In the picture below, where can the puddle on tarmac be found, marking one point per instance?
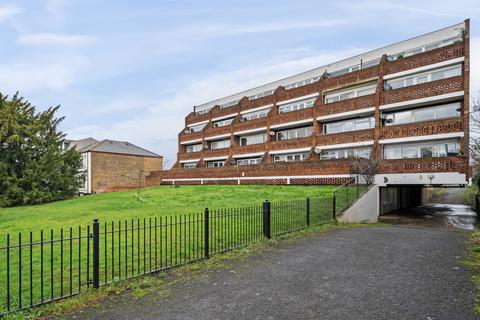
(456, 216)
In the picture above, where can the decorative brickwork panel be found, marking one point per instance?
(253, 148)
(211, 131)
(423, 90)
(291, 144)
(264, 182)
(319, 181)
(246, 104)
(189, 136)
(345, 137)
(250, 124)
(346, 105)
(291, 116)
(193, 118)
(422, 128)
(446, 164)
(219, 112)
(350, 78)
(297, 92)
(225, 182)
(422, 59)
(187, 182)
(216, 153)
(189, 156)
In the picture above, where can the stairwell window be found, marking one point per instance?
(296, 105)
(349, 125)
(292, 157)
(294, 133)
(422, 150)
(424, 77)
(193, 148)
(220, 144)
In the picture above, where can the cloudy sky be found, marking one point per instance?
(132, 70)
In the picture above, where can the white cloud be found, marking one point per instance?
(8, 11)
(54, 39)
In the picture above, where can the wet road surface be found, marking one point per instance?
(398, 272)
(453, 216)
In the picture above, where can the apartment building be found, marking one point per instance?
(405, 105)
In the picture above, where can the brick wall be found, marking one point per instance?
(112, 172)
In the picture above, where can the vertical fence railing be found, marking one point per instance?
(346, 194)
(63, 264)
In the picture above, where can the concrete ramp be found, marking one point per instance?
(364, 210)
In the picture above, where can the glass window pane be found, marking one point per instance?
(426, 151)
(409, 152)
(423, 114)
(403, 117)
(392, 153)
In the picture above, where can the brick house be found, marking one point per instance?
(110, 165)
(405, 103)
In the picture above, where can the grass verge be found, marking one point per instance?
(473, 261)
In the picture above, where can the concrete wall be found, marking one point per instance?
(110, 172)
(365, 209)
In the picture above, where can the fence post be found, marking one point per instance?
(358, 178)
(334, 209)
(308, 211)
(206, 235)
(266, 219)
(96, 254)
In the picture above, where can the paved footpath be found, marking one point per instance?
(356, 273)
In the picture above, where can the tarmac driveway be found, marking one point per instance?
(400, 272)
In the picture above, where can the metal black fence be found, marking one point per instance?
(49, 266)
(345, 195)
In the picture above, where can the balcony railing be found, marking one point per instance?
(193, 117)
(220, 112)
(246, 104)
(189, 136)
(426, 58)
(302, 114)
(291, 144)
(345, 137)
(189, 156)
(423, 90)
(424, 165)
(249, 124)
(350, 78)
(212, 131)
(216, 153)
(346, 105)
(253, 148)
(297, 92)
(422, 128)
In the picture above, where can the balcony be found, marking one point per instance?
(249, 124)
(189, 156)
(291, 144)
(346, 105)
(278, 118)
(423, 90)
(182, 136)
(424, 165)
(194, 118)
(253, 148)
(211, 131)
(350, 78)
(246, 104)
(345, 137)
(422, 128)
(216, 153)
(284, 94)
(422, 59)
(217, 112)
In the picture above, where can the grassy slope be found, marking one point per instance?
(158, 201)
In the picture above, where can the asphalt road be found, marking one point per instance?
(358, 273)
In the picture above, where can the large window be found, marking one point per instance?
(291, 157)
(346, 153)
(194, 148)
(190, 165)
(422, 150)
(248, 161)
(220, 144)
(349, 125)
(215, 164)
(424, 77)
(423, 114)
(296, 105)
(223, 123)
(350, 93)
(294, 133)
(255, 115)
(302, 83)
(253, 139)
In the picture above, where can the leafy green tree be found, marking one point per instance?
(33, 167)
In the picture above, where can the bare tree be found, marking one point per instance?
(475, 130)
(367, 168)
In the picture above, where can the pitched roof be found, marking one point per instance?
(110, 146)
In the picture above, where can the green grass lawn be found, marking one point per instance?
(158, 201)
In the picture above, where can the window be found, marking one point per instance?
(215, 164)
(294, 133)
(199, 112)
(84, 161)
(189, 165)
(220, 144)
(250, 161)
(194, 148)
(425, 48)
(423, 114)
(296, 105)
(349, 125)
(345, 153)
(197, 128)
(229, 104)
(291, 157)
(424, 77)
(422, 150)
(261, 95)
(255, 115)
(253, 139)
(223, 123)
(350, 93)
(301, 83)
